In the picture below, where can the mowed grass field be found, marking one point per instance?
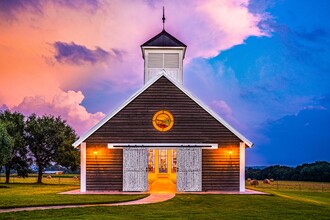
(279, 204)
(303, 186)
(62, 179)
(23, 192)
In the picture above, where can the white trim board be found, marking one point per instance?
(146, 86)
(83, 167)
(161, 145)
(242, 167)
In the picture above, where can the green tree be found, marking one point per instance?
(6, 145)
(67, 155)
(19, 161)
(253, 173)
(48, 139)
(278, 172)
(318, 171)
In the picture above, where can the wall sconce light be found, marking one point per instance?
(230, 152)
(95, 153)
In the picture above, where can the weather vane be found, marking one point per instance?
(163, 18)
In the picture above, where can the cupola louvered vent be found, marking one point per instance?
(163, 60)
(155, 60)
(171, 60)
(163, 54)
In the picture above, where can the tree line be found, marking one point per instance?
(318, 171)
(40, 140)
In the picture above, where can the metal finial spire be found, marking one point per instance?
(163, 18)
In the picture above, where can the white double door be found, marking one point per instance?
(135, 169)
(189, 169)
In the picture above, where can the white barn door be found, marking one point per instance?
(189, 169)
(135, 173)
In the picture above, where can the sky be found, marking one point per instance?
(262, 65)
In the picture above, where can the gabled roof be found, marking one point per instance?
(145, 87)
(163, 39)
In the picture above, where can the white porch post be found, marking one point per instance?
(83, 167)
(242, 167)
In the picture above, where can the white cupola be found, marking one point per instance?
(163, 53)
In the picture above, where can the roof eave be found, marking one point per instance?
(162, 47)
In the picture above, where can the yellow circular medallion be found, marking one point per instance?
(163, 120)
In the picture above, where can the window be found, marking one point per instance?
(151, 161)
(162, 159)
(173, 161)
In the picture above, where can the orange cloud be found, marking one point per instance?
(28, 64)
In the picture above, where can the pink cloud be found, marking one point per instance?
(225, 111)
(64, 104)
(212, 26)
(33, 80)
(223, 108)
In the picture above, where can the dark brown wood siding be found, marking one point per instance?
(104, 169)
(220, 169)
(192, 124)
(133, 124)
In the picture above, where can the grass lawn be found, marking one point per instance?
(281, 204)
(25, 194)
(194, 207)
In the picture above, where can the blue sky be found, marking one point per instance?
(263, 65)
(282, 83)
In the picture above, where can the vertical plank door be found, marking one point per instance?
(189, 169)
(135, 172)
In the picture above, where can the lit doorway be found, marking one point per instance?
(162, 164)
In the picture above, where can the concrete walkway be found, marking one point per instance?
(152, 198)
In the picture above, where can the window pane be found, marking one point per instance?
(173, 161)
(151, 161)
(162, 161)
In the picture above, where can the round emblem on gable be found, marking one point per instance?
(163, 120)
